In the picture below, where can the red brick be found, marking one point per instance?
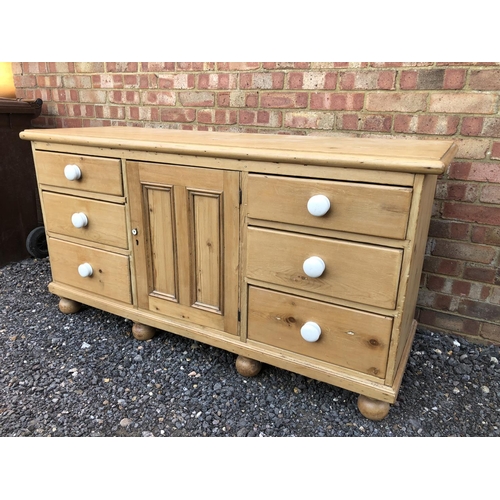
(309, 120)
(473, 149)
(284, 100)
(472, 213)
(157, 66)
(124, 97)
(197, 98)
(178, 115)
(83, 110)
(495, 151)
(474, 291)
(491, 332)
(162, 98)
(17, 68)
(146, 81)
(217, 116)
(77, 82)
(70, 122)
(218, 81)
(396, 101)
(486, 235)
(107, 81)
(94, 122)
(260, 117)
(238, 66)
(61, 67)
(434, 300)
(478, 126)
(286, 65)
(443, 266)
(454, 79)
(464, 251)
(110, 112)
(89, 67)
(491, 127)
(474, 272)
(21, 81)
(462, 102)
(485, 79)
(482, 172)
(49, 94)
(49, 81)
(368, 80)
(195, 66)
(495, 295)
(457, 191)
(337, 102)
(122, 67)
(490, 194)
(93, 96)
(449, 322)
(312, 80)
(238, 99)
(438, 284)
(371, 123)
(423, 79)
(461, 288)
(131, 81)
(145, 113)
(65, 95)
(426, 124)
(57, 109)
(408, 80)
(472, 125)
(176, 81)
(268, 81)
(449, 230)
(34, 67)
(480, 310)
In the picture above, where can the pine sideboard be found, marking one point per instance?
(302, 252)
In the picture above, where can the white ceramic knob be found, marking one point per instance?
(72, 172)
(310, 331)
(79, 219)
(318, 205)
(85, 270)
(314, 267)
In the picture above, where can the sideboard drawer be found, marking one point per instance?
(367, 274)
(105, 221)
(110, 272)
(370, 209)
(348, 338)
(99, 175)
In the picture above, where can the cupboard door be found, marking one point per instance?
(186, 246)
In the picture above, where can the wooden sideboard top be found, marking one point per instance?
(394, 154)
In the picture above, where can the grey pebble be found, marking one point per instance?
(82, 375)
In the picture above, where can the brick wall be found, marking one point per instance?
(460, 290)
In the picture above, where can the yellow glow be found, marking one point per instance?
(7, 88)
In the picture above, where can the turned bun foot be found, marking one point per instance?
(143, 332)
(373, 409)
(248, 367)
(68, 306)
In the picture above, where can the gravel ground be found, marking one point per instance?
(86, 375)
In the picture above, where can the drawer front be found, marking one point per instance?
(110, 276)
(105, 221)
(354, 207)
(362, 273)
(99, 175)
(348, 338)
